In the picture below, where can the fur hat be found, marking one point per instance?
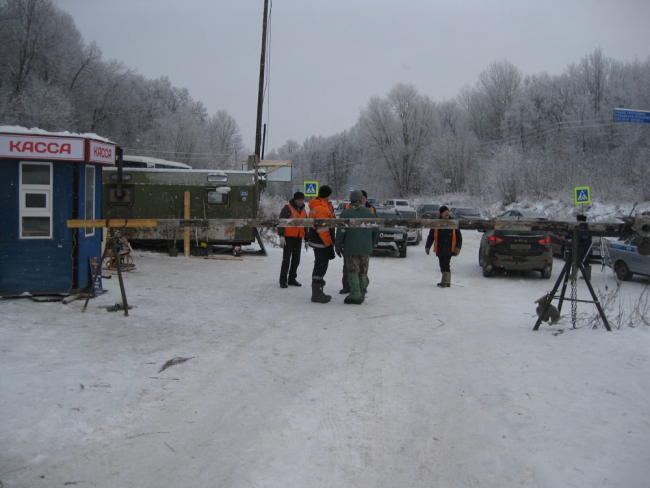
(299, 195)
(356, 196)
(443, 208)
(324, 191)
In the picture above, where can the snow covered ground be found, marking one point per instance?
(418, 387)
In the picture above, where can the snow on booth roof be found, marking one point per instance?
(21, 143)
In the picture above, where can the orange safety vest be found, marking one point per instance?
(295, 231)
(435, 240)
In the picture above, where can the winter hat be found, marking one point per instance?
(365, 193)
(324, 191)
(443, 209)
(356, 196)
(581, 218)
(299, 195)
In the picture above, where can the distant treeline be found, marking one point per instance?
(506, 137)
(52, 80)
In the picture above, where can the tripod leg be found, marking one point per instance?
(567, 271)
(119, 274)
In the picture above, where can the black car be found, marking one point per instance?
(429, 208)
(561, 244)
(515, 250)
(523, 215)
(391, 239)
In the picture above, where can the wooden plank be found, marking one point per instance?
(598, 228)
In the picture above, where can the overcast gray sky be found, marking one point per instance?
(329, 57)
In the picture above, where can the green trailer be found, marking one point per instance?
(148, 193)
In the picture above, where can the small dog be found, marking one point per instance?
(551, 314)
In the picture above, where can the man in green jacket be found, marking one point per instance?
(356, 244)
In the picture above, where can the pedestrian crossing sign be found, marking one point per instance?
(582, 195)
(310, 188)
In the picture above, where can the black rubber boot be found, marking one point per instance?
(317, 295)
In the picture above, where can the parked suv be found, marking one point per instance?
(397, 203)
(391, 239)
(515, 250)
(414, 234)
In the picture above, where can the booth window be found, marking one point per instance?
(90, 198)
(35, 200)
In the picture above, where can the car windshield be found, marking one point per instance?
(402, 203)
(429, 207)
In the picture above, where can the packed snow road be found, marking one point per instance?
(419, 386)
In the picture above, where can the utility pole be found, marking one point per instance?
(260, 103)
(260, 93)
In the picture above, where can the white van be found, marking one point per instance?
(397, 203)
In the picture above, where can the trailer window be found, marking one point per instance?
(217, 198)
(125, 199)
(218, 178)
(35, 200)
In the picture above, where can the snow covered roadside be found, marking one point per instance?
(419, 386)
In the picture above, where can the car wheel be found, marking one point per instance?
(481, 263)
(622, 271)
(487, 271)
(546, 273)
(402, 253)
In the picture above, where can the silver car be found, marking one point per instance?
(415, 235)
(624, 258)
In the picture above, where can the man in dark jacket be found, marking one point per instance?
(356, 244)
(291, 240)
(446, 243)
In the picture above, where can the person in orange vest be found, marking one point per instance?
(446, 243)
(291, 240)
(321, 240)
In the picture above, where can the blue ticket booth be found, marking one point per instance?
(47, 179)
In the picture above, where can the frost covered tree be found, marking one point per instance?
(398, 130)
